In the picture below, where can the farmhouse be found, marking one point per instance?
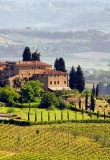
(33, 70)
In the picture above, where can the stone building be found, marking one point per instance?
(34, 70)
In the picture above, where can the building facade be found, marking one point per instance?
(34, 70)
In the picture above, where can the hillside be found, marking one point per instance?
(61, 142)
(54, 44)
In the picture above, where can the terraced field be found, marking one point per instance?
(55, 142)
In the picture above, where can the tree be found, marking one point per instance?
(97, 90)
(36, 56)
(9, 95)
(62, 65)
(59, 65)
(56, 64)
(92, 103)
(93, 91)
(80, 80)
(86, 101)
(27, 93)
(37, 86)
(48, 100)
(31, 90)
(27, 54)
(72, 78)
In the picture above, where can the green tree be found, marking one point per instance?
(62, 65)
(9, 95)
(80, 80)
(37, 86)
(49, 99)
(36, 56)
(27, 54)
(93, 91)
(31, 90)
(79, 102)
(92, 103)
(72, 78)
(86, 101)
(59, 65)
(97, 90)
(27, 93)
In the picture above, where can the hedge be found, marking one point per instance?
(27, 123)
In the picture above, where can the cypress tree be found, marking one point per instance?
(97, 90)
(56, 64)
(72, 78)
(80, 80)
(93, 91)
(35, 116)
(86, 101)
(28, 116)
(55, 116)
(79, 103)
(59, 65)
(92, 103)
(62, 65)
(48, 116)
(36, 56)
(27, 54)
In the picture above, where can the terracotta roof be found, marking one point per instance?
(1, 68)
(31, 63)
(50, 72)
(3, 63)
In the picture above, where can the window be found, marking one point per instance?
(64, 75)
(54, 82)
(37, 76)
(57, 82)
(64, 82)
(50, 82)
(32, 67)
(54, 75)
(29, 74)
(42, 75)
(58, 75)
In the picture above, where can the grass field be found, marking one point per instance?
(23, 113)
(55, 142)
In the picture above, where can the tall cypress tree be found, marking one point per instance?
(62, 65)
(59, 65)
(92, 103)
(72, 78)
(86, 101)
(93, 91)
(97, 90)
(27, 54)
(80, 80)
(56, 64)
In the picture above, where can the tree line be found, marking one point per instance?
(28, 56)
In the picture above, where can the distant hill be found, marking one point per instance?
(55, 15)
(13, 42)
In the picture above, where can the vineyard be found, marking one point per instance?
(67, 141)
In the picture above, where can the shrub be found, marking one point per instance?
(63, 104)
(10, 110)
(49, 99)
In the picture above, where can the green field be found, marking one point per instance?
(23, 113)
(55, 142)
